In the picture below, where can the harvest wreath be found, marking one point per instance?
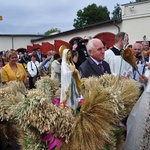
(40, 124)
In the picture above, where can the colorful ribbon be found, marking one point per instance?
(53, 142)
(81, 101)
(56, 101)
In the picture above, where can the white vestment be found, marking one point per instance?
(138, 123)
(117, 64)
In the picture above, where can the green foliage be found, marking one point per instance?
(53, 30)
(117, 12)
(90, 15)
(141, 0)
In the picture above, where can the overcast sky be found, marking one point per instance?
(39, 16)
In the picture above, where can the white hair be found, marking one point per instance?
(91, 43)
(141, 46)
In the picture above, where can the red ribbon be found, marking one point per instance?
(81, 101)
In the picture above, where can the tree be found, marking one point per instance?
(117, 12)
(90, 15)
(141, 0)
(53, 30)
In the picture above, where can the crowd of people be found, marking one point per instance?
(27, 67)
(86, 58)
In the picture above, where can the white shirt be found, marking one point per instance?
(32, 68)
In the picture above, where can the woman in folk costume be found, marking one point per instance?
(138, 123)
(70, 82)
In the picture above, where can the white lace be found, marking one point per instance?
(138, 124)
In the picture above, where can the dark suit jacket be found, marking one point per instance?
(38, 59)
(89, 68)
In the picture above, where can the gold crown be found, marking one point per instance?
(61, 48)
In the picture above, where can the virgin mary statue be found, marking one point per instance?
(70, 82)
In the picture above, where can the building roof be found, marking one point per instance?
(25, 35)
(79, 29)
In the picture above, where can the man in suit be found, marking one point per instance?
(95, 64)
(39, 55)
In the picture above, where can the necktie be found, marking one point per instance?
(101, 67)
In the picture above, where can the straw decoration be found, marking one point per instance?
(34, 109)
(47, 86)
(130, 93)
(129, 57)
(106, 102)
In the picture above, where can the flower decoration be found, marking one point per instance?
(81, 101)
(53, 142)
